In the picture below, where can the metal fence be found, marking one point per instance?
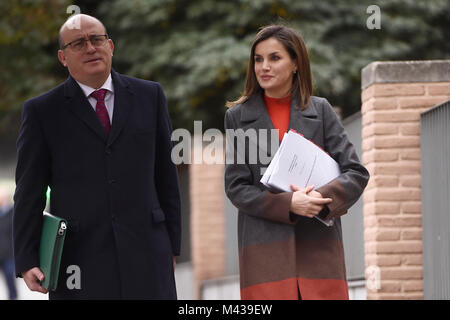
(353, 221)
(435, 153)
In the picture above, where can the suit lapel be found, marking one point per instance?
(123, 104)
(304, 122)
(80, 106)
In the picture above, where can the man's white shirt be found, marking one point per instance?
(109, 97)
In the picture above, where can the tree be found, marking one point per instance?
(28, 30)
(199, 50)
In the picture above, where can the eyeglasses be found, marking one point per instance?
(97, 40)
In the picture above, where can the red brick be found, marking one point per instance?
(384, 181)
(412, 285)
(385, 296)
(396, 90)
(379, 104)
(399, 247)
(368, 144)
(368, 210)
(388, 260)
(394, 116)
(439, 89)
(370, 259)
(411, 181)
(410, 154)
(380, 156)
(207, 223)
(396, 142)
(387, 207)
(409, 221)
(413, 296)
(387, 235)
(380, 129)
(397, 194)
(401, 273)
(396, 168)
(385, 221)
(398, 221)
(368, 118)
(369, 195)
(390, 286)
(408, 129)
(411, 235)
(414, 207)
(412, 259)
(419, 102)
(367, 93)
(370, 247)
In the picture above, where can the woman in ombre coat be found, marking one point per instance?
(283, 252)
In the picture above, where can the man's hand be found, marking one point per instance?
(32, 278)
(307, 202)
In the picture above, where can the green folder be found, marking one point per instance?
(51, 248)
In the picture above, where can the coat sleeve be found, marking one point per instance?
(166, 175)
(346, 189)
(240, 186)
(32, 179)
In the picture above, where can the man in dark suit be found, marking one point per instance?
(101, 142)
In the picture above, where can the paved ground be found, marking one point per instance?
(23, 292)
(183, 276)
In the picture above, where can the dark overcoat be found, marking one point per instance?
(282, 254)
(119, 193)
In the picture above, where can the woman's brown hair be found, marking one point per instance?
(302, 81)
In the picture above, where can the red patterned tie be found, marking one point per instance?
(100, 109)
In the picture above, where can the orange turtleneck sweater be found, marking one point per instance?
(279, 112)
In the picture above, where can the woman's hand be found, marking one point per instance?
(307, 202)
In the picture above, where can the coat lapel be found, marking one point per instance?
(254, 115)
(123, 104)
(304, 122)
(80, 106)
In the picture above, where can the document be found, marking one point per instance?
(300, 162)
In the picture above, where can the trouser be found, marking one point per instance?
(7, 266)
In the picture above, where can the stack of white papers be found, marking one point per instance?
(301, 163)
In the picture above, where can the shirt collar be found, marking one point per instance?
(88, 90)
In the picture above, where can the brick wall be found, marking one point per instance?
(207, 223)
(393, 96)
